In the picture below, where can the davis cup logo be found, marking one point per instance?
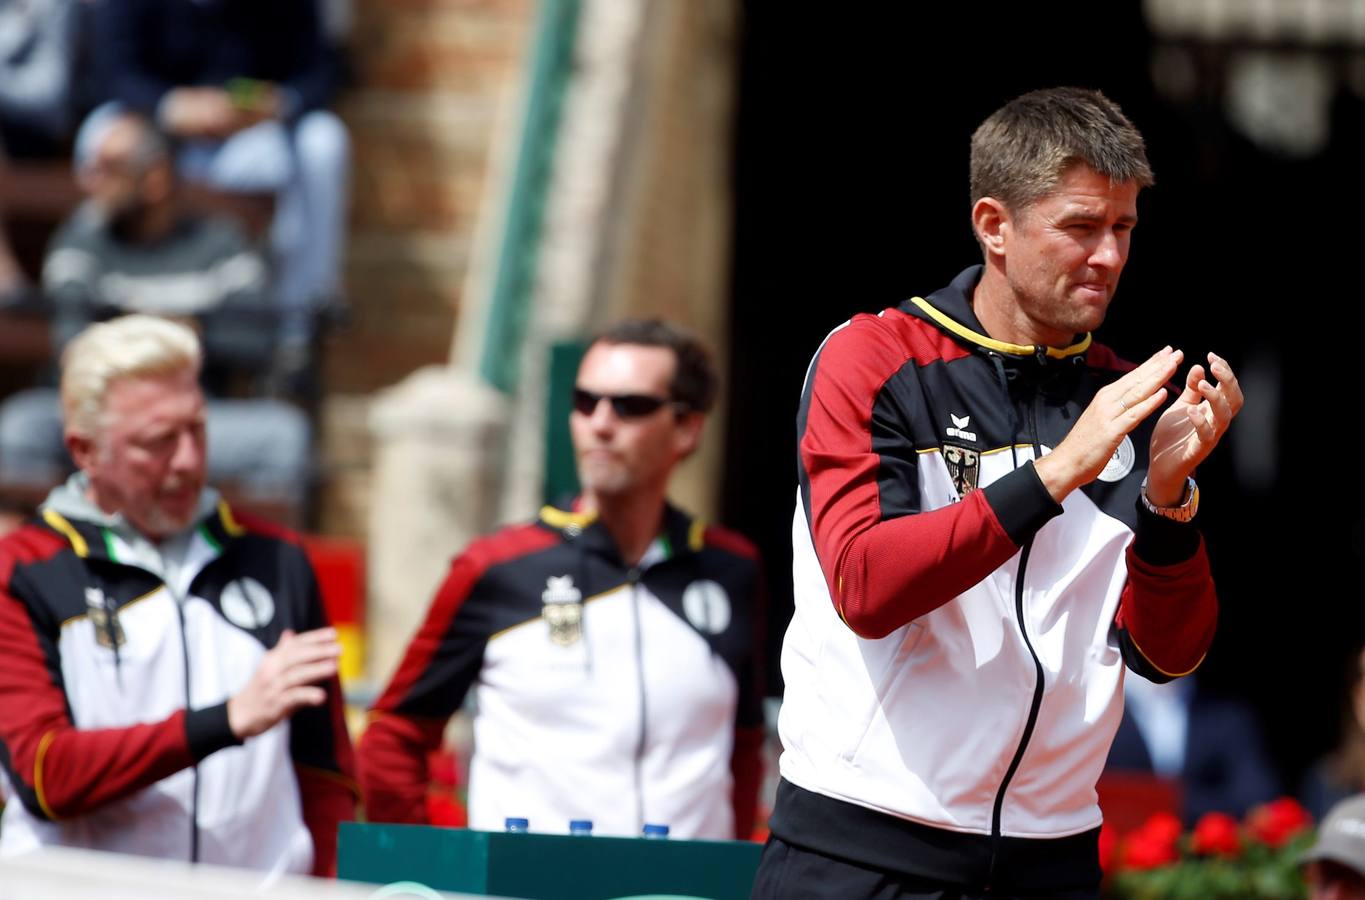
(247, 604)
(707, 606)
(1121, 463)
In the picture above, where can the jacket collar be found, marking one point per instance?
(681, 533)
(95, 534)
(950, 310)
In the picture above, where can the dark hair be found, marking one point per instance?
(694, 377)
(1022, 150)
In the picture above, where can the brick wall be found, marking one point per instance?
(431, 80)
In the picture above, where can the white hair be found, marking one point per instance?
(126, 347)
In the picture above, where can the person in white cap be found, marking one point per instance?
(1335, 864)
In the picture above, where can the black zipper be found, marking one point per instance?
(1037, 703)
(111, 630)
(633, 579)
(194, 796)
(185, 657)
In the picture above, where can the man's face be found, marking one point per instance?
(148, 461)
(113, 178)
(619, 454)
(1064, 253)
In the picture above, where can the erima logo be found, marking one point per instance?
(959, 425)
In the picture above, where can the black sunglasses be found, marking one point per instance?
(626, 406)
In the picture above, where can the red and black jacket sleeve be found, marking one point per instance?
(746, 760)
(1168, 611)
(435, 674)
(735, 561)
(886, 560)
(58, 770)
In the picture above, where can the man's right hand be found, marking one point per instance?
(285, 681)
(1116, 409)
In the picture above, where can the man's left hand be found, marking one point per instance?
(1188, 431)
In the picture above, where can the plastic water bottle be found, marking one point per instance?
(517, 826)
(655, 832)
(580, 827)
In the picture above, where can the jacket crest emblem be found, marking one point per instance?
(563, 610)
(964, 468)
(104, 616)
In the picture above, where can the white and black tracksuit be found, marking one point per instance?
(954, 668)
(618, 694)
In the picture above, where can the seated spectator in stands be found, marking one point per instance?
(1335, 864)
(37, 47)
(241, 85)
(37, 44)
(1341, 773)
(131, 248)
(13, 285)
(169, 683)
(1211, 745)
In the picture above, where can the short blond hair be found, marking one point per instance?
(126, 347)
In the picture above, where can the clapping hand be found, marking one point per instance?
(1189, 430)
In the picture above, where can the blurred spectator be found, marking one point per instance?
(613, 643)
(1341, 773)
(13, 284)
(132, 248)
(37, 41)
(1212, 746)
(1335, 864)
(169, 683)
(241, 84)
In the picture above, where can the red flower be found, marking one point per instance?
(1153, 844)
(1277, 822)
(1109, 846)
(1216, 835)
(1142, 851)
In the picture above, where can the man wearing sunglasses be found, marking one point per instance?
(613, 642)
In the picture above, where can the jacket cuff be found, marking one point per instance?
(1159, 541)
(1021, 503)
(207, 730)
